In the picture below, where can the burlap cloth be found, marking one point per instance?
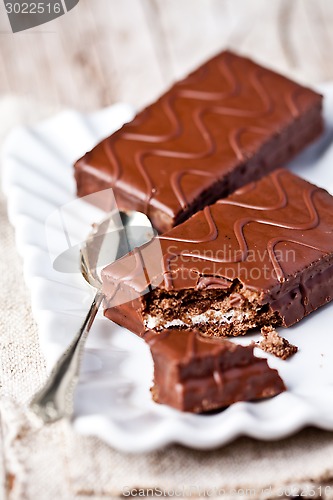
(55, 463)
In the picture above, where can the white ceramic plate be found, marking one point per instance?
(113, 399)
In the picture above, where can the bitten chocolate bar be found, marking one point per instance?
(262, 256)
(196, 374)
(228, 123)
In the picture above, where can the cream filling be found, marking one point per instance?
(210, 316)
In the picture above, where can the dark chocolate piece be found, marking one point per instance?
(262, 256)
(276, 345)
(228, 123)
(196, 374)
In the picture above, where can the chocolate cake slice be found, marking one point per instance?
(262, 256)
(228, 123)
(196, 374)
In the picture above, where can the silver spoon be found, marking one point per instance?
(115, 236)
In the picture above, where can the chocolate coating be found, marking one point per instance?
(273, 239)
(195, 374)
(228, 123)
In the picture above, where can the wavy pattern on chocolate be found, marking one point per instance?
(291, 100)
(176, 183)
(205, 283)
(273, 242)
(167, 103)
(235, 139)
(221, 91)
(211, 235)
(281, 192)
(226, 219)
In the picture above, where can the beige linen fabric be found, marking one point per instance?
(55, 463)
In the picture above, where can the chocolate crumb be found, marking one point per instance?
(10, 480)
(276, 345)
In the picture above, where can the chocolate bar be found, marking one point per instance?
(262, 256)
(196, 374)
(228, 123)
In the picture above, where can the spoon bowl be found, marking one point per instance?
(109, 240)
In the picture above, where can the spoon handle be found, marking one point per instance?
(55, 400)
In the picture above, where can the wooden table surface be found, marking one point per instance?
(105, 51)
